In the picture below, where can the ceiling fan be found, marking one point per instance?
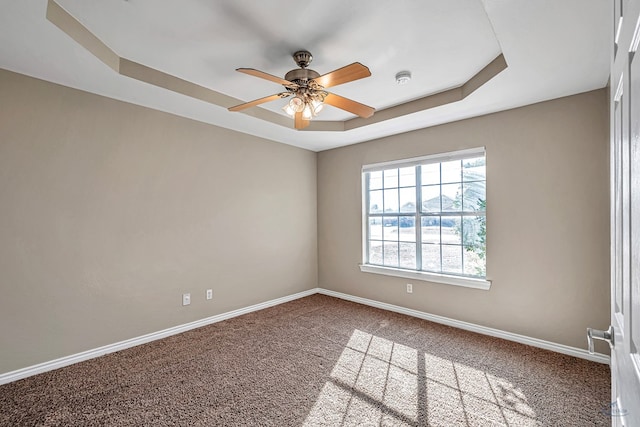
(307, 89)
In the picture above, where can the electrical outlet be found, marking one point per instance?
(186, 299)
(409, 288)
(209, 293)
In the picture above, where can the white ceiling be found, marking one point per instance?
(553, 48)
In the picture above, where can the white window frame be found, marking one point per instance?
(449, 279)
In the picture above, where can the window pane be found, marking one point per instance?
(474, 261)
(390, 231)
(474, 196)
(451, 171)
(408, 199)
(391, 200)
(375, 201)
(452, 206)
(375, 180)
(452, 259)
(375, 252)
(408, 177)
(407, 229)
(431, 229)
(408, 255)
(430, 174)
(473, 230)
(431, 258)
(375, 228)
(451, 229)
(391, 178)
(391, 254)
(474, 169)
(451, 198)
(431, 198)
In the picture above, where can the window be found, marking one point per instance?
(425, 218)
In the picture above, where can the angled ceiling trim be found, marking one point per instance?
(58, 16)
(74, 29)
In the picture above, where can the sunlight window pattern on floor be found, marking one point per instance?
(379, 382)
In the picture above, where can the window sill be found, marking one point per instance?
(428, 277)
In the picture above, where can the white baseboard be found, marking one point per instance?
(100, 351)
(534, 342)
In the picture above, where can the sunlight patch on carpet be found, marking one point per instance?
(379, 382)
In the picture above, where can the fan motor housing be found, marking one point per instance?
(301, 75)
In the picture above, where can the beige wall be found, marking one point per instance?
(110, 211)
(547, 220)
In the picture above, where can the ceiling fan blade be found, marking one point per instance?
(300, 123)
(349, 105)
(342, 75)
(259, 101)
(267, 76)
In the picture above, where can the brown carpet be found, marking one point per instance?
(317, 361)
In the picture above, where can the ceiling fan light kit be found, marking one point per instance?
(308, 108)
(307, 89)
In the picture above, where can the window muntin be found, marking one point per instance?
(428, 214)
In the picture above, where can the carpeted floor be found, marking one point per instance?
(317, 361)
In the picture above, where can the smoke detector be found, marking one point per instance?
(403, 77)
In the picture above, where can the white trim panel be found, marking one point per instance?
(509, 336)
(428, 277)
(111, 348)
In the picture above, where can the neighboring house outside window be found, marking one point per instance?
(425, 218)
